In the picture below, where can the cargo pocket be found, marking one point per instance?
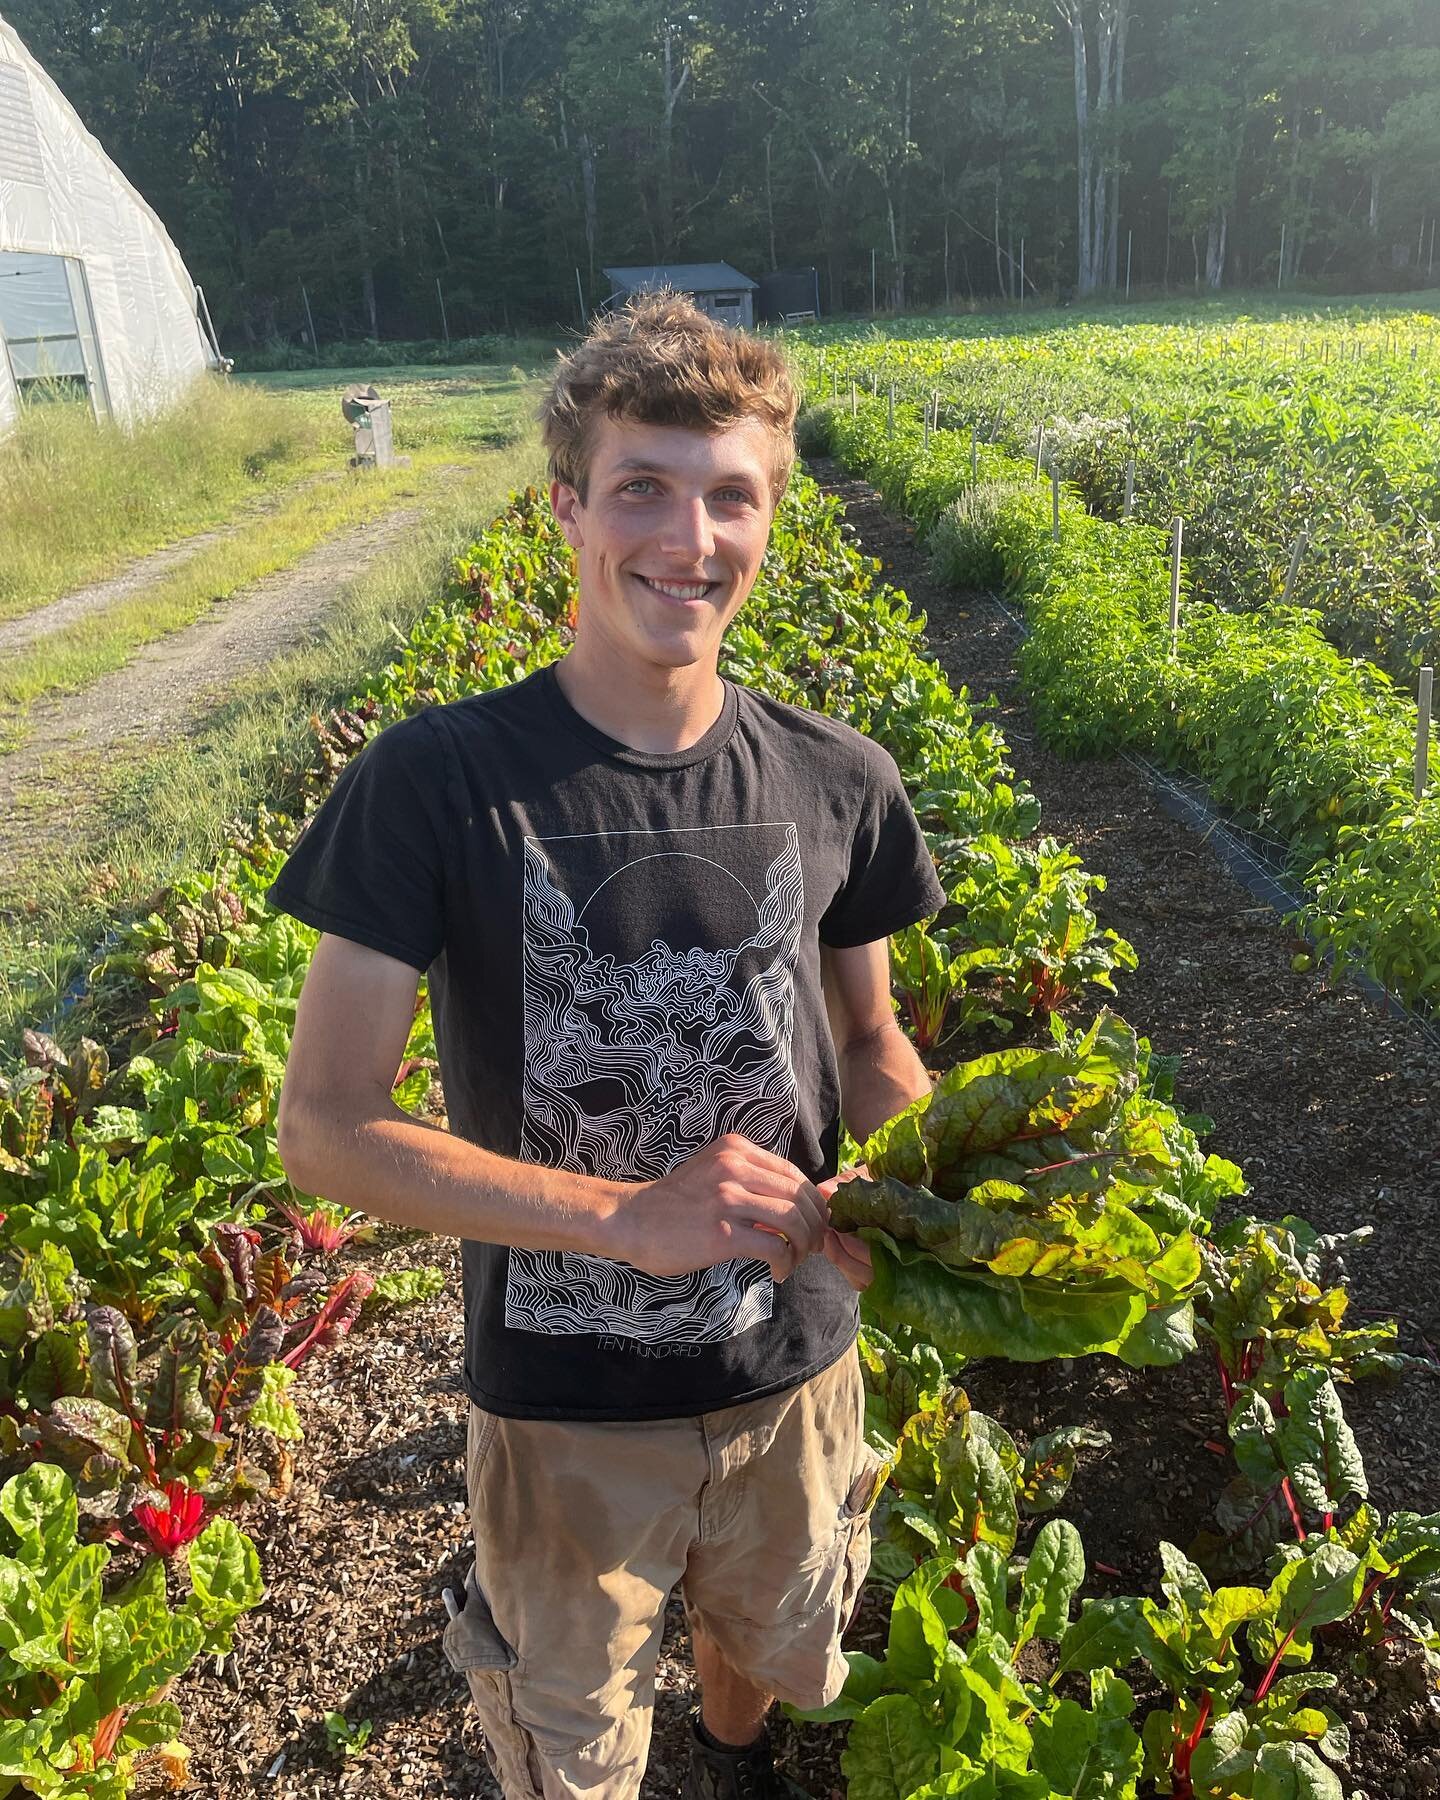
(855, 1528)
(475, 1649)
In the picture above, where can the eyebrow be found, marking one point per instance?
(637, 465)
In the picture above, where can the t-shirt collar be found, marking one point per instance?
(716, 738)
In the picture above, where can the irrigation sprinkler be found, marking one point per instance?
(1302, 544)
(1129, 488)
(1054, 500)
(1177, 539)
(1422, 731)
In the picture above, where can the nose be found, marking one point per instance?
(689, 529)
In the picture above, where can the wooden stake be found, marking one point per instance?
(1039, 448)
(1054, 501)
(1302, 544)
(1422, 732)
(1177, 539)
(1129, 488)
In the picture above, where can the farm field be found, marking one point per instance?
(1253, 425)
(1186, 1542)
(1313, 750)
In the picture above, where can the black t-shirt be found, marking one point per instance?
(624, 959)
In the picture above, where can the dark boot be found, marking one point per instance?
(735, 1774)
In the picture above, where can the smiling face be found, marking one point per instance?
(669, 537)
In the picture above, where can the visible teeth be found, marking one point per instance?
(678, 590)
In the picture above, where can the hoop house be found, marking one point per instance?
(93, 294)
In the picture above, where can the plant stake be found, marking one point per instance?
(1302, 544)
(1422, 731)
(974, 453)
(1054, 500)
(890, 412)
(1177, 538)
(1039, 448)
(1129, 488)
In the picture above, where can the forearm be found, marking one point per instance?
(880, 1075)
(391, 1166)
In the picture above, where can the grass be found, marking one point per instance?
(133, 822)
(469, 406)
(72, 657)
(78, 500)
(441, 417)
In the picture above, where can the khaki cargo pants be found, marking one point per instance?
(759, 1512)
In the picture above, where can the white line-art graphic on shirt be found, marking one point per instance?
(631, 1067)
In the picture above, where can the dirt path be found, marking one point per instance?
(21, 633)
(168, 686)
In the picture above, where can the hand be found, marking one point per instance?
(732, 1199)
(850, 1254)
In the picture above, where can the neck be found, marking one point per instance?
(648, 707)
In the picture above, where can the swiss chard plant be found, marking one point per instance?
(1031, 1206)
(940, 1716)
(84, 1673)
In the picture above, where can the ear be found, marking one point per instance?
(568, 508)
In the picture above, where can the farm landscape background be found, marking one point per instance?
(1151, 1352)
(506, 148)
(1082, 1310)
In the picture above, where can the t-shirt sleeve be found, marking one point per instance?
(892, 881)
(370, 866)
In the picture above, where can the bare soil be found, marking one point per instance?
(1330, 1106)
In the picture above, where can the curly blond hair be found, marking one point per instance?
(659, 360)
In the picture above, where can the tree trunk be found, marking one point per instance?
(770, 204)
(1085, 276)
(666, 183)
(1215, 238)
(586, 147)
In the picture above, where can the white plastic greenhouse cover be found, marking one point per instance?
(62, 197)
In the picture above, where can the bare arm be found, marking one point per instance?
(342, 1136)
(880, 1071)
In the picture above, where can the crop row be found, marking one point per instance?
(1045, 1202)
(1253, 433)
(161, 1282)
(1315, 747)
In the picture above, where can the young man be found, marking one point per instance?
(654, 910)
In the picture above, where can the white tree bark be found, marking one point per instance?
(1097, 157)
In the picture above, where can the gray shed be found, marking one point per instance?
(715, 287)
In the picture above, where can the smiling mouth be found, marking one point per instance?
(679, 590)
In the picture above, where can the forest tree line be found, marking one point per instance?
(377, 158)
